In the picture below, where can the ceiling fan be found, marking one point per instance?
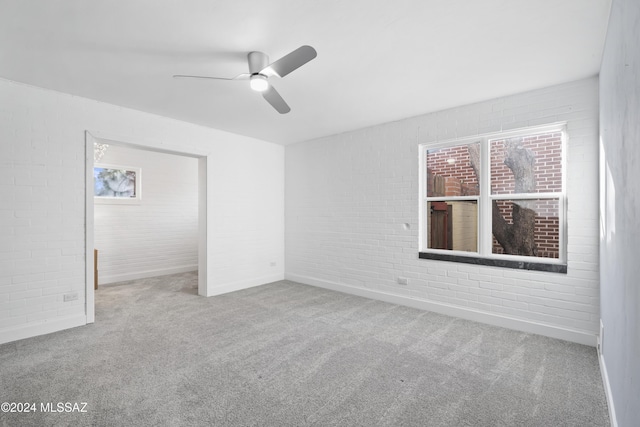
(260, 70)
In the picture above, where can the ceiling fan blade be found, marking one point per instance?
(273, 97)
(292, 61)
(238, 77)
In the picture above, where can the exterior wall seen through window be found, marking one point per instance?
(522, 203)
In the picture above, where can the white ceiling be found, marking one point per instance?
(378, 60)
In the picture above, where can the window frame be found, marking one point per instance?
(484, 254)
(134, 200)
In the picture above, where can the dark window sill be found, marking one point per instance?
(520, 265)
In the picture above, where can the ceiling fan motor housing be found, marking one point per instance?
(258, 61)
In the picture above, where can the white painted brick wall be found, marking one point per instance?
(42, 202)
(158, 235)
(348, 195)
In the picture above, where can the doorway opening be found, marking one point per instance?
(133, 195)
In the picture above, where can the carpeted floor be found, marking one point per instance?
(286, 354)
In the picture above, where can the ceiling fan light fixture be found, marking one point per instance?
(259, 83)
(260, 70)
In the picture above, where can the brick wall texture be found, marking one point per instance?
(42, 201)
(353, 205)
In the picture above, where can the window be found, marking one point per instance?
(496, 199)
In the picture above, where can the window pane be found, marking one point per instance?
(526, 227)
(529, 164)
(453, 225)
(451, 171)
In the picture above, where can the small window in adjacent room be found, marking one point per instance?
(496, 199)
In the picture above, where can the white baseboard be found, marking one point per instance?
(607, 389)
(225, 288)
(579, 337)
(115, 278)
(40, 328)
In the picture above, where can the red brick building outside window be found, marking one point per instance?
(524, 188)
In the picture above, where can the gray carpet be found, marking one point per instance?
(286, 354)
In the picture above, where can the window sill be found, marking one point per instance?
(492, 262)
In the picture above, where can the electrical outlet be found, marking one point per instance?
(403, 281)
(70, 297)
(600, 337)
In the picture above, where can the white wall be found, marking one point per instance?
(42, 202)
(620, 212)
(159, 234)
(247, 226)
(348, 196)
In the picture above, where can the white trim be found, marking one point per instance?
(454, 252)
(564, 207)
(243, 284)
(141, 142)
(115, 278)
(422, 192)
(526, 196)
(41, 328)
(607, 390)
(452, 198)
(89, 295)
(202, 226)
(485, 226)
(580, 337)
